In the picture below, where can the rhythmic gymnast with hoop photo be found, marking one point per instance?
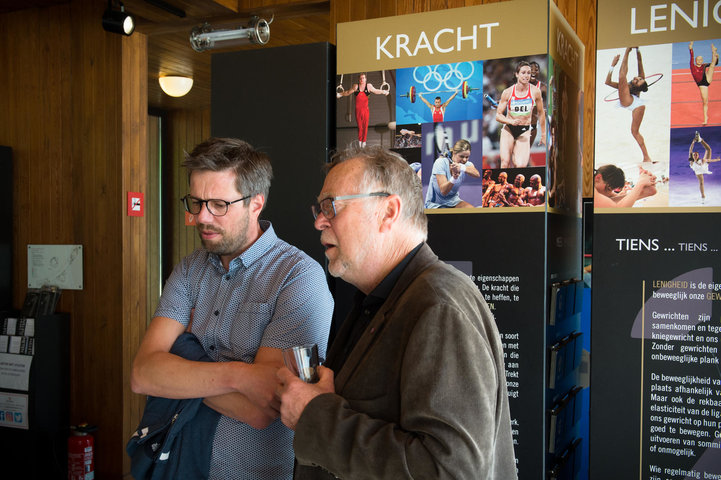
(629, 94)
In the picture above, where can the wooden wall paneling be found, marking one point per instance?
(388, 9)
(97, 319)
(339, 12)
(586, 29)
(373, 9)
(135, 239)
(404, 7)
(342, 9)
(173, 237)
(153, 215)
(444, 4)
(187, 129)
(317, 26)
(359, 11)
(177, 125)
(568, 9)
(33, 97)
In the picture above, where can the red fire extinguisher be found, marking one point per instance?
(81, 448)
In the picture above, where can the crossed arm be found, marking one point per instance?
(236, 389)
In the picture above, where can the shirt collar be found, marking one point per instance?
(381, 292)
(259, 248)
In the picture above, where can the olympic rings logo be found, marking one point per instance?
(444, 75)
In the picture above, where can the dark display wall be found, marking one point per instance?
(513, 284)
(278, 100)
(655, 344)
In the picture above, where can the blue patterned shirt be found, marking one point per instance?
(273, 295)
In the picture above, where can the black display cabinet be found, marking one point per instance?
(40, 451)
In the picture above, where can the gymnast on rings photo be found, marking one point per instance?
(362, 91)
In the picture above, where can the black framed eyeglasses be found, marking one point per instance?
(327, 205)
(215, 206)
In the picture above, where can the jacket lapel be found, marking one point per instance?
(420, 262)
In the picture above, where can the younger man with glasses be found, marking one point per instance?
(414, 383)
(245, 295)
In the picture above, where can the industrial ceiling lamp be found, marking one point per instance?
(117, 21)
(204, 37)
(174, 85)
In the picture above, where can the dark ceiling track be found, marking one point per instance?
(167, 7)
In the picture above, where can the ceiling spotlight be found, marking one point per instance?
(204, 37)
(117, 21)
(175, 86)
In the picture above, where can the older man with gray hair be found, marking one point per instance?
(414, 383)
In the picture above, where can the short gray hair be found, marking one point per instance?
(391, 173)
(252, 168)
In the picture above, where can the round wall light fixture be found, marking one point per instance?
(175, 85)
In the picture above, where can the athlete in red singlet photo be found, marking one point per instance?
(362, 91)
(703, 75)
(438, 109)
(515, 111)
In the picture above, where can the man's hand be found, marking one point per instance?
(295, 394)
(259, 387)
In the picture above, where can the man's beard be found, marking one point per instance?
(227, 245)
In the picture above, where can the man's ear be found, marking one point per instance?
(391, 212)
(256, 204)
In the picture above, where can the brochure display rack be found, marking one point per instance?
(34, 395)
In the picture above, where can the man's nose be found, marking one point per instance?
(204, 216)
(321, 222)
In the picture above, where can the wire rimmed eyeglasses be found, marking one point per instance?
(327, 205)
(216, 206)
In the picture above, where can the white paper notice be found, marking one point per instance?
(15, 371)
(58, 265)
